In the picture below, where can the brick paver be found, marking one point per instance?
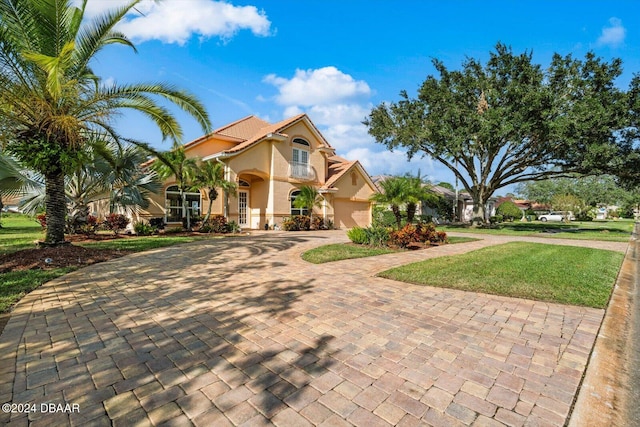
(243, 332)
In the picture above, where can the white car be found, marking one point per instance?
(556, 216)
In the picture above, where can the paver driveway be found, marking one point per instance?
(243, 332)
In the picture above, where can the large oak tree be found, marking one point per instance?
(509, 120)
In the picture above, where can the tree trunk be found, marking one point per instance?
(411, 211)
(206, 218)
(478, 213)
(185, 211)
(56, 206)
(479, 203)
(396, 211)
(213, 195)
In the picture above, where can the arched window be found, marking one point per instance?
(300, 158)
(173, 204)
(354, 178)
(301, 141)
(294, 210)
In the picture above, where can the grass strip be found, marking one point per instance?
(612, 231)
(340, 251)
(553, 273)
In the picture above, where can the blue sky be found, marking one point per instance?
(335, 60)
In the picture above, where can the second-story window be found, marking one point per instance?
(300, 158)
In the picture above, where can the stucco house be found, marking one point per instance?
(269, 163)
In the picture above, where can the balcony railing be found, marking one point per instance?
(303, 171)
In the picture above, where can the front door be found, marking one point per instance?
(243, 209)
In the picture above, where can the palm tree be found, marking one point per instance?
(210, 175)
(54, 106)
(129, 184)
(394, 191)
(416, 192)
(308, 198)
(113, 171)
(175, 163)
(14, 180)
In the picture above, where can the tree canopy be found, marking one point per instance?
(593, 190)
(509, 120)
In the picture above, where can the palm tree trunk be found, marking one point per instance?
(206, 218)
(411, 211)
(56, 206)
(396, 211)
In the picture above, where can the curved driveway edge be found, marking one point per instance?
(243, 332)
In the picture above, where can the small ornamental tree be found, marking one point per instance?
(509, 211)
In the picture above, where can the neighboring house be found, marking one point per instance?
(463, 207)
(524, 205)
(269, 163)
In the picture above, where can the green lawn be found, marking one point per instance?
(617, 231)
(340, 251)
(20, 232)
(554, 273)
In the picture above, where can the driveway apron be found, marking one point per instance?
(242, 331)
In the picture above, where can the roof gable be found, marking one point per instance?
(338, 171)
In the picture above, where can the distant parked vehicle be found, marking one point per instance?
(557, 216)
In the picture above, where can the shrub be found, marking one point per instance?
(195, 222)
(173, 230)
(141, 228)
(496, 219)
(358, 235)
(383, 217)
(89, 227)
(509, 211)
(377, 236)
(420, 233)
(317, 223)
(215, 224)
(116, 222)
(233, 227)
(42, 219)
(157, 223)
(588, 215)
(81, 225)
(296, 223)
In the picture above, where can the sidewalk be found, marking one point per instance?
(609, 392)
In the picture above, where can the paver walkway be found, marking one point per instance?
(243, 332)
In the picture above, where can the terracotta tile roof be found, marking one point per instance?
(263, 132)
(244, 128)
(337, 171)
(337, 159)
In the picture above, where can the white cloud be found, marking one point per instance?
(177, 21)
(613, 35)
(378, 161)
(338, 103)
(317, 87)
